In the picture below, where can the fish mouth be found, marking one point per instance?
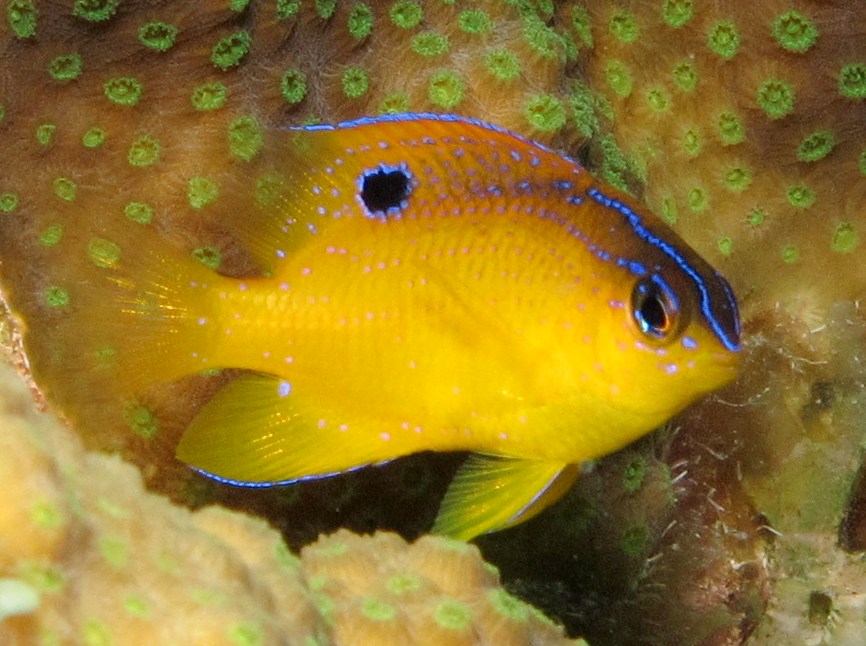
(726, 366)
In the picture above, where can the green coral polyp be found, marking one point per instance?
(124, 91)
(776, 98)
(245, 138)
(325, 8)
(55, 296)
(429, 44)
(378, 610)
(158, 36)
(287, 9)
(731, 130)
(210, 96)
(474, 21)
(724, 39)
(453, 615)
(816, 146)
(65, 68)
(22, 16)
(141, 421)
(582, 25)
(635, 541)
(692, 143)
(65, 189)
(103, 253)
(51, 235)
(508, 606)
(544, 112)
(790, 254)
(623, 26)
(115, 551)
(658, 99)
(737, 179)
(845, 238)
(246, 633)
(46, 514)
(725, 246)
(618, 78)
(394, 103)
(852, 81)
(795, 32)
(293, 86)
(542, 38)
(756, 217)
(361, 21)
(634, 474)
(136, 606)
(93, 138)
(230, 51)
(677, 13)
(45, 133)
(144, 151)
(356, 82)
(697, 199)
(138, 212)
(503, 64)
(8, 202)
(801, 196)
(446, 89)
(95, 10)
(201, 191)
(208, 256)
(685, 76)
(583, 106)
(400, 584)
(406, 14)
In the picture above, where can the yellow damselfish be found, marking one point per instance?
(431, 283)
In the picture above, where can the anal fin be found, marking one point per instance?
(491, 493)
(258, 431)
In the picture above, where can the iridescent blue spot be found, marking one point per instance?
(689, 343)
(284, 388)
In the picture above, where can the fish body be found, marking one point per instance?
(432, 283)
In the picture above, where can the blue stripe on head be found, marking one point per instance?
(634, 220)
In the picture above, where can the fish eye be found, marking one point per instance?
(385, 188)
(655, 308)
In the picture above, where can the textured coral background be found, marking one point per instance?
(742, 124)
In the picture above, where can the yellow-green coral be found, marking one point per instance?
(86, 556)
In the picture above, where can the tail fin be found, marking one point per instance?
(134, 322)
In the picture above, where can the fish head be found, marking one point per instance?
(666, 328)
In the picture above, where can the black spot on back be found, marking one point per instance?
(385, 188)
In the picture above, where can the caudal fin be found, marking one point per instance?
(132, 324)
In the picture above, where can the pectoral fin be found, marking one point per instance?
(258, 431)
(491, 493)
